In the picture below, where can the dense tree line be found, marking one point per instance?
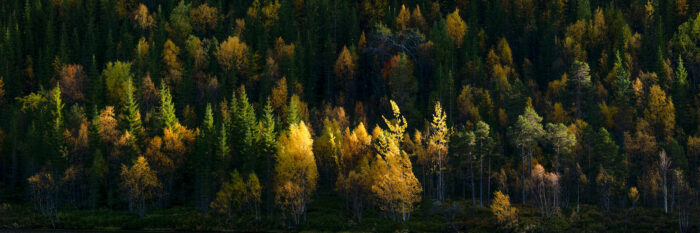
(250, 107)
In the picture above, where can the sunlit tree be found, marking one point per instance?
(295, 173)
(140, 184)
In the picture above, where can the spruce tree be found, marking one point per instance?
(267, 145)
(132, 114)
(166, 112)
(206, 147)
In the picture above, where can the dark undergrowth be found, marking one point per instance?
(328, 213)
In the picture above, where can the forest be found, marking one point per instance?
(350, 115)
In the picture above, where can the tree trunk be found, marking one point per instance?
(488, 184)
(471, 169)
(522, 155)
(665, 193)
(481, 180)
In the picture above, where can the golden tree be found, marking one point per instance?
(280, 96)
(660, 112)
(139, 183)
(345, 66)
(417, 19)
(204, 18)
(403, 19)
(354, 178)
(295, 173)
(142, 18)
(456, 28)
(397, 126)
(395, 187)
(506, 215)
(232, 53)
(437, 146)
(173, 65)
(108, 126)
(73, 82)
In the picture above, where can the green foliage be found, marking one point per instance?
(116, 76)
(620, 74)
(132, 113)
(166, 110)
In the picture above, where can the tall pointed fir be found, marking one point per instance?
(222, 158)
(243, 130)
(166, 112)
(132, 114)
(267, 144)
(681, 97)
(206, 143)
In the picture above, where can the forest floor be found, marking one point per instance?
(328, 213)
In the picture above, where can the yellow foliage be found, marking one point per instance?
(660, 111)
(108, 126)
(403, 19)
(506, 215)
(204, 17)
(456, 27)
(609, 113)
(439, 137)
(173, 66)
(559, 114)
(139, 182)
(633, 195)
(417, 19)
(295, 173)
(397, 126)
(280, 95)
(232, 53)
(345, 66)
(504, 52)
(395, 187)
(142, 18)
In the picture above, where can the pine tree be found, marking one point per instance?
(559, 137)
(581, 79)
(482, 141)
(526, 134)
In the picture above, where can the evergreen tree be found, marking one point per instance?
(681, 90)
(203, 158)
(166, 111)
(132, 113)
(267, 144)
